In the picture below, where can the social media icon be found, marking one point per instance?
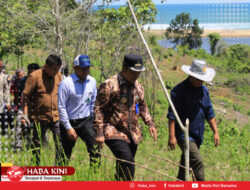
(195, 185)
(132, 185)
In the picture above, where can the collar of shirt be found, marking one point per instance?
(76, 78)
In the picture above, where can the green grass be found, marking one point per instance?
(230, 161)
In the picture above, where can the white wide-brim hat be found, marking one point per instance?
(199, 70)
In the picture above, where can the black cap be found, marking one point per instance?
(133, 62)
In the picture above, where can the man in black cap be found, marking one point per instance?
(119, 103)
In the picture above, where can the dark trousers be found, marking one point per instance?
(84, 130)
(3, 123)
(11, 119)
(39, 132)
(125, 151)
(196, 162)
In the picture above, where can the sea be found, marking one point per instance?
(228, 16)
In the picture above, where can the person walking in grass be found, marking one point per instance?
(76, 99)
(22, 131)
(16, 95)
(40, 93)
(119, 103)
(192, 101)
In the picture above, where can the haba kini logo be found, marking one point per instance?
(16, 173)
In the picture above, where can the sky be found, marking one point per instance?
(121, 2)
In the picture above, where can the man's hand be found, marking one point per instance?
(72, 134)
(216, 139)
(172, 142)
(23, 121)
(153, 132)
(99, 141)
(213, 126)
(8, 108)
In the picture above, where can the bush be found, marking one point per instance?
(182, 50)
(238, 58)
(238, 66)
(238, 52)
(170, 52)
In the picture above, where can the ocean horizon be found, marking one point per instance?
(211, 16)
(226, 26)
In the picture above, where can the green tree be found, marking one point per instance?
(214, 38)
(119, 33)
(185, 31)
(15, 32)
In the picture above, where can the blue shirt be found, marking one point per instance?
(76, 99)
(194, 104)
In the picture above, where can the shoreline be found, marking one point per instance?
(222, 32)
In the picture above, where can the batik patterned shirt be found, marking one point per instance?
(117, 109)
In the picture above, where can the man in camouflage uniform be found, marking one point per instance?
(4, 99)
(119, 103)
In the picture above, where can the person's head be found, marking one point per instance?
(32, 67)
(53, 65)
(65, 71)
(198, 72)
(132, 67)
(19, 73)
(82, 66)
(1, 66)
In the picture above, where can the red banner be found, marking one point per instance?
(159, 185)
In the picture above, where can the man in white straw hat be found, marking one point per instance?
(191, 100)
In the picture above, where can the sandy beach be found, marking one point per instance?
(222, 32)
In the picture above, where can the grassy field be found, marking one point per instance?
(229, 162)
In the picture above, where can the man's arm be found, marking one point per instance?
(30, 85)
(64, 119)
(102, 100)
(172, 142)
(210, 117)
(93, 99)
(213, 126)
(145, 115)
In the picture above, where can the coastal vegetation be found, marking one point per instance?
(185, 31)
(106, 35)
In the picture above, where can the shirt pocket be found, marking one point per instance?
(87, 96)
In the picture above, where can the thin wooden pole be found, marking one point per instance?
(175, 163)
(138, 165)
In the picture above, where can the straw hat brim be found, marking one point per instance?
(210, 73)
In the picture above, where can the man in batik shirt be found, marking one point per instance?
(119, 103)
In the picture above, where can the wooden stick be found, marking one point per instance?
(175, 163)
(138, 165)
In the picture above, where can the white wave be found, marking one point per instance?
(232, 26)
